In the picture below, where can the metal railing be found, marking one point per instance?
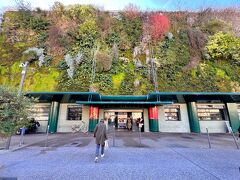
(46, 141)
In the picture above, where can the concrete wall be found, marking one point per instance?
(174, 126)
(41, 116)
(213, 126)
(65, 125)
(238, 109)
(164, 126)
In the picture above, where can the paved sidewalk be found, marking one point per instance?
(28, 140)
(130, 139)
(161, 156)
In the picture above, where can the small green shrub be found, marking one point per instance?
(80, 13)
(223, 46)
(38, 23)
(85, 37)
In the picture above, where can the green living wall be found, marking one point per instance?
(81, 48)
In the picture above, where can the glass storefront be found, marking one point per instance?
(123, 120)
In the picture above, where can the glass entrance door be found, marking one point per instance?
(125, 120)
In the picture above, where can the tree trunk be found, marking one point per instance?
(8, 142)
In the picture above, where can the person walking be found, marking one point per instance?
(100, 137)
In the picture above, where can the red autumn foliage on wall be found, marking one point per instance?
(158, 25)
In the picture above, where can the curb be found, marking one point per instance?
(16, 147)
(3, 151)
(20, 147)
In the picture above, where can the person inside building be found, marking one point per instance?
(100, 135)
(116, 122)
(137, 122)
(141, 124)
(131, 118)
(129, 123)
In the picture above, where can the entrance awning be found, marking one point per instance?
(153, 98)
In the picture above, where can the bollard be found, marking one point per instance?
(114, 135)
(46, 142)
(234, 138)
(140, 136)
(22, 136)
(209, 142)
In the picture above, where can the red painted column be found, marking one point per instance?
(93, 117)
(153, 118)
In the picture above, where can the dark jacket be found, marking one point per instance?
(100, 133)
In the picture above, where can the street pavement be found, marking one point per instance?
(158, 156)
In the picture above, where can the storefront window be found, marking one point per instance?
(74, 112)
(41, 111)
(211, 112)
(172, 113)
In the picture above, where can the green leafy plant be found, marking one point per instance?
(13, 108)
(80, 13)
(223, 46)
(85, 36)
(38, 24)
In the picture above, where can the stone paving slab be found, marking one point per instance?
(122, 163)
(161, 156)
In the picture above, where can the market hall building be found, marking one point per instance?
(177, 112)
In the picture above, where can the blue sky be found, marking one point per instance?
(143, 4)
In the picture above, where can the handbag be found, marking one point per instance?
(106, 144)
